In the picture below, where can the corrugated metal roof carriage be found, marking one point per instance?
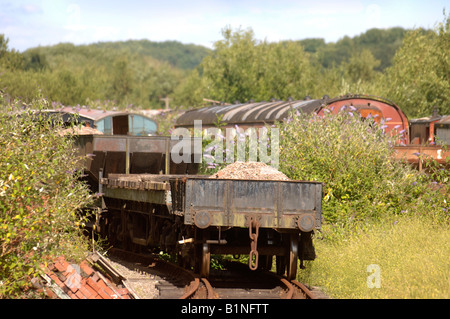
(257, 114)
(261, 113)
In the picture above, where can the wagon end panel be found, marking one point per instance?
(300, 205)
(205, 203)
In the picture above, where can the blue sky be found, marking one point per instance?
(30, 23)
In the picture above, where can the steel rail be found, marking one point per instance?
(308, 294)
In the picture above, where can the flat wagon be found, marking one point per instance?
(193, 217)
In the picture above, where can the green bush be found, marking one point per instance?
(41, 194)
(354, 159)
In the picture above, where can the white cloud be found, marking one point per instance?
(31, 8)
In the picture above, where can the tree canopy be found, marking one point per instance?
(419, 78)
(410, 67)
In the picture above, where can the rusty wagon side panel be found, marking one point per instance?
(275, 204)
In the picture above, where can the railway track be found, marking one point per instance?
(239, 282)
(236, 282)
(169, 280)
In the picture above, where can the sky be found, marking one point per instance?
(32, 23)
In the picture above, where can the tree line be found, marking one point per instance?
(410, 67)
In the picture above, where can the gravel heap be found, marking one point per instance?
(250, 170)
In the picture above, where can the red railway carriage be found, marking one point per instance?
(380, 109)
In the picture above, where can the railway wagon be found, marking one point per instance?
(192, 217)
(109, 122)
(125, 154)
(149, 201)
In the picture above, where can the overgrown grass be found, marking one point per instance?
(410, 252)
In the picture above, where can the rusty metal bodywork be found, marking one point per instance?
(275, 204)
(121, 154)
(429, 140)
(205, 202)
(419, 154)
(381, 109)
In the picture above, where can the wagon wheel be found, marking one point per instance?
(289, 263)
(202, 259)
(293, 257)
(202, 255)
(206, 259)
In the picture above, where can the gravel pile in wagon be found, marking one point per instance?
(250, 170)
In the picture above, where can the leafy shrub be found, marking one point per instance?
(354, 159)
(376, 208)
(40, 193)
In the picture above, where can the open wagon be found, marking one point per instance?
(194, 216)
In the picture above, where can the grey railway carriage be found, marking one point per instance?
(150, 201)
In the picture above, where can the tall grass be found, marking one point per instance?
(411, 253)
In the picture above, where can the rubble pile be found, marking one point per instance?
(250, 170)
